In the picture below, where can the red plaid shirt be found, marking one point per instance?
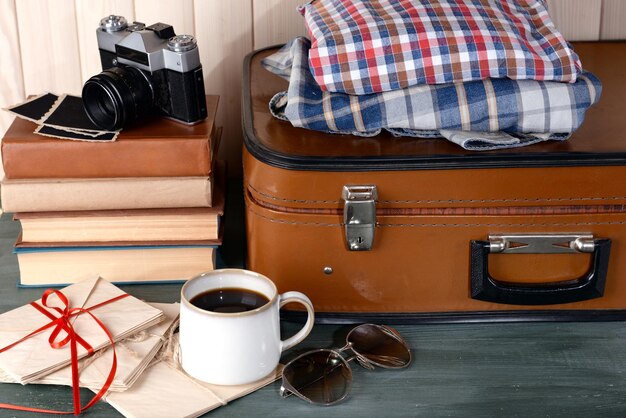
(362, 47)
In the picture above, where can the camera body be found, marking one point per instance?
(146, 70)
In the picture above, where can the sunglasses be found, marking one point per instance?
(324, 377)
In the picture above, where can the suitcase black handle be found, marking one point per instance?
(590, 286)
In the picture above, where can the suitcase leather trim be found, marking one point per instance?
(460, 317)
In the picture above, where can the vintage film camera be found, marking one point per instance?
(147, 70)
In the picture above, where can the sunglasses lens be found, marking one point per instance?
(321, 377)
(380, 345)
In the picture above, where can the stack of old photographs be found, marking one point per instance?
(61, 116)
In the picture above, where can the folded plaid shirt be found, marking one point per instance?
(527, 111)
(362, 47)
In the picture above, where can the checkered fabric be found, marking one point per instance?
(528, 111)
(362, 47)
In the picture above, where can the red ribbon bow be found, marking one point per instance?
(63, 323)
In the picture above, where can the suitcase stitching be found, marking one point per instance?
(291, 200)
(282, 221)
(505, 225)
(557, 199)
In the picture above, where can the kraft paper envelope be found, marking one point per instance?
(133, 356)
(163, 391)
(34, 358)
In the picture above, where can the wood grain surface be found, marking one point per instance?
(178, 13)
(276, 22)
(49, 46)
(11, 80)
(613, 15)
(88, 16)
(578, 20)
(224, 32)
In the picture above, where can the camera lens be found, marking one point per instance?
(117, 97)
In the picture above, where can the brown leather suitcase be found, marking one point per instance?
(402, 229)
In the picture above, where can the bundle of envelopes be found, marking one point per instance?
(134, 354)
(144, 206)
(34, 357)
(145, 348)
(482, 74)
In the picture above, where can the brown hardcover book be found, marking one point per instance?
(97, 226)
(156, 147)
(43, 195)
(92, 227)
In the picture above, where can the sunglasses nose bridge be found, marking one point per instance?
(360, 358)
(346, 347)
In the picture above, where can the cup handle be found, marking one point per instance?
(298, 297)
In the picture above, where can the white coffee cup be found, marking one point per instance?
(235, 348)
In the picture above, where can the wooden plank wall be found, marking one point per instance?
(51, 46)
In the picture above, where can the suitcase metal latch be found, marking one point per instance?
(359, 216)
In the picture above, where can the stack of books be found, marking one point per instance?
(145, 208)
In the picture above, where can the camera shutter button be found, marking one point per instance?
(181, 43)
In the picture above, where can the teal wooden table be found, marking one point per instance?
(459, 370)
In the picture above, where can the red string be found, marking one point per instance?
(63, 323)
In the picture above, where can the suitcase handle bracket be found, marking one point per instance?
(541, 243)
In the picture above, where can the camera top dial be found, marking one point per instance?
(113, 23)
(181, 43)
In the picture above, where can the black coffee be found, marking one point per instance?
(229, 300)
